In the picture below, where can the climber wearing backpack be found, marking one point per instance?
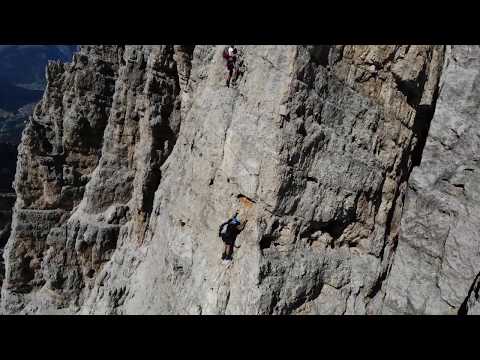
(228, 231)
(230, 55)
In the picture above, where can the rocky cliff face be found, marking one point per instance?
(22, 70)
(437, 265)
(136, 154)
(6, 204)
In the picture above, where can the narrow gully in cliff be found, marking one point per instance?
(421, 127)
(165, 134)
(473, 291)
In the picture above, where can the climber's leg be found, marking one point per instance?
(225, 249)
(229, 252)
(229, 75)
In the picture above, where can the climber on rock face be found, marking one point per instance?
(230, 54)
(228, 231)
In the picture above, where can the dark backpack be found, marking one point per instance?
(226, 227)
(225, 53)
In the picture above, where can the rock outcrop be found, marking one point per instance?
(6, 204)
(22, 80)
(60, 147)
(136, 154)
(437, 265)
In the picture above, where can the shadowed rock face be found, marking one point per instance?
(435, 270)
(8, 154)
(6, 204)
(136, 154)
(60, 147)
(22, 79)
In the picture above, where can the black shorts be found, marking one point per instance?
(227, 240)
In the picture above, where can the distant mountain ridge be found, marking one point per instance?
(22, 82)
(22, 72)
(24, 65)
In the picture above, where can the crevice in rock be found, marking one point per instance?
(165, 132)
(412, 89)
(266, 241)
(8, 159)
(334, 227)
(320, 54)
(378, 284)
(473, 291)
(421, 125)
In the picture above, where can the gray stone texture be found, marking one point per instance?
(438, 256)
(136, 154)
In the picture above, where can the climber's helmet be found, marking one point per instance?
(235, 221)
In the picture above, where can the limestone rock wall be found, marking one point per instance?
(6, 204)
(435, 270)
(60, 147)
(136, 154)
